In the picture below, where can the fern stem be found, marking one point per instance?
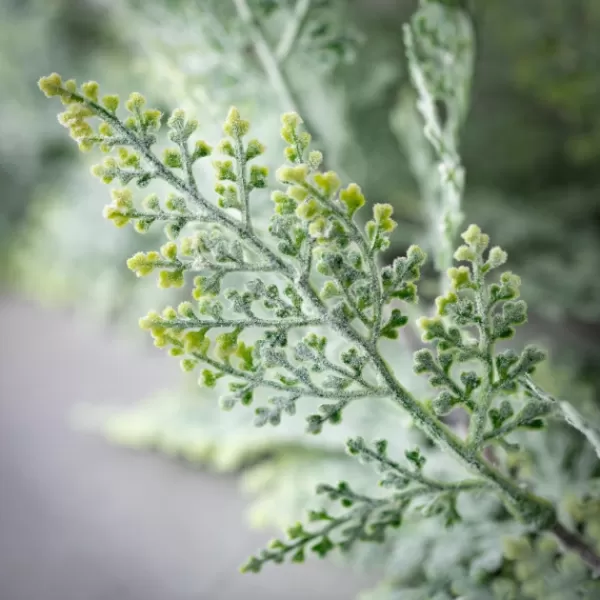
(242, 182)
(530, 508)
(479, 416)
(573, 542)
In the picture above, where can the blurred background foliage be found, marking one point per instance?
(531, 144)
(531, 148)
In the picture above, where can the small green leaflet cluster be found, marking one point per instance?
(365, 518)
(471, 318)
(252, 336)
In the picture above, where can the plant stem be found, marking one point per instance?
(290, 35)
(530, 508)
(266, 56)
(525, 505)
(479, 416)
(574, 543)
(242, 182)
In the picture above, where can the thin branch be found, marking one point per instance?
(458, 486)
(347, 373)
(183, 324)
(266, 56)
(261, 381)
(242, 181)
(573, 542)
(479, 416)
(292, 31)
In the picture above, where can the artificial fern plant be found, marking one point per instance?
(317, 317)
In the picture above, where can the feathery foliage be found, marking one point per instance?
(316, 279)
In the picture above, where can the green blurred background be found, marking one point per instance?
(531, 144)
(531, 148)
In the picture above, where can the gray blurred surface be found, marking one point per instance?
(81, 520)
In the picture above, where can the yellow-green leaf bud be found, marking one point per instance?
(175, 203)
(475, 238)
(460, 277)
(111, 102)
(432, 327)
(151, 202)
(169, 313)
(115, 215)
(151, 118)
(169, 250)
(135, 102)
(172, 158)
(290, 153)
(226, 147)
(204, 286)
(201, 149)
(234, 125)
(284, 205)
(315, 158)
(224, 169)
(196, 341)
(254, 149)
(246, 354)
(496, 257)
(188, 364)
(209, 378)
(105, 129)
(167, 279)
(382, 214)
(382, 211)
(143, 264)
(304, 139)
(329, 182)
(292, 174)
(122, 198)
(465, 253)
(186, 246)
(51, 85)
(353, 198)
(290, 122)
(226, 344)
(86, 144)
(142, 225)
(318, 227)
(177, 119)
(258, 176)
(150, 320)
(186, 310)
(70, 88)
(297, 192)
(443, 302)
(90, 90)
(329, 290)
(308, 210)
